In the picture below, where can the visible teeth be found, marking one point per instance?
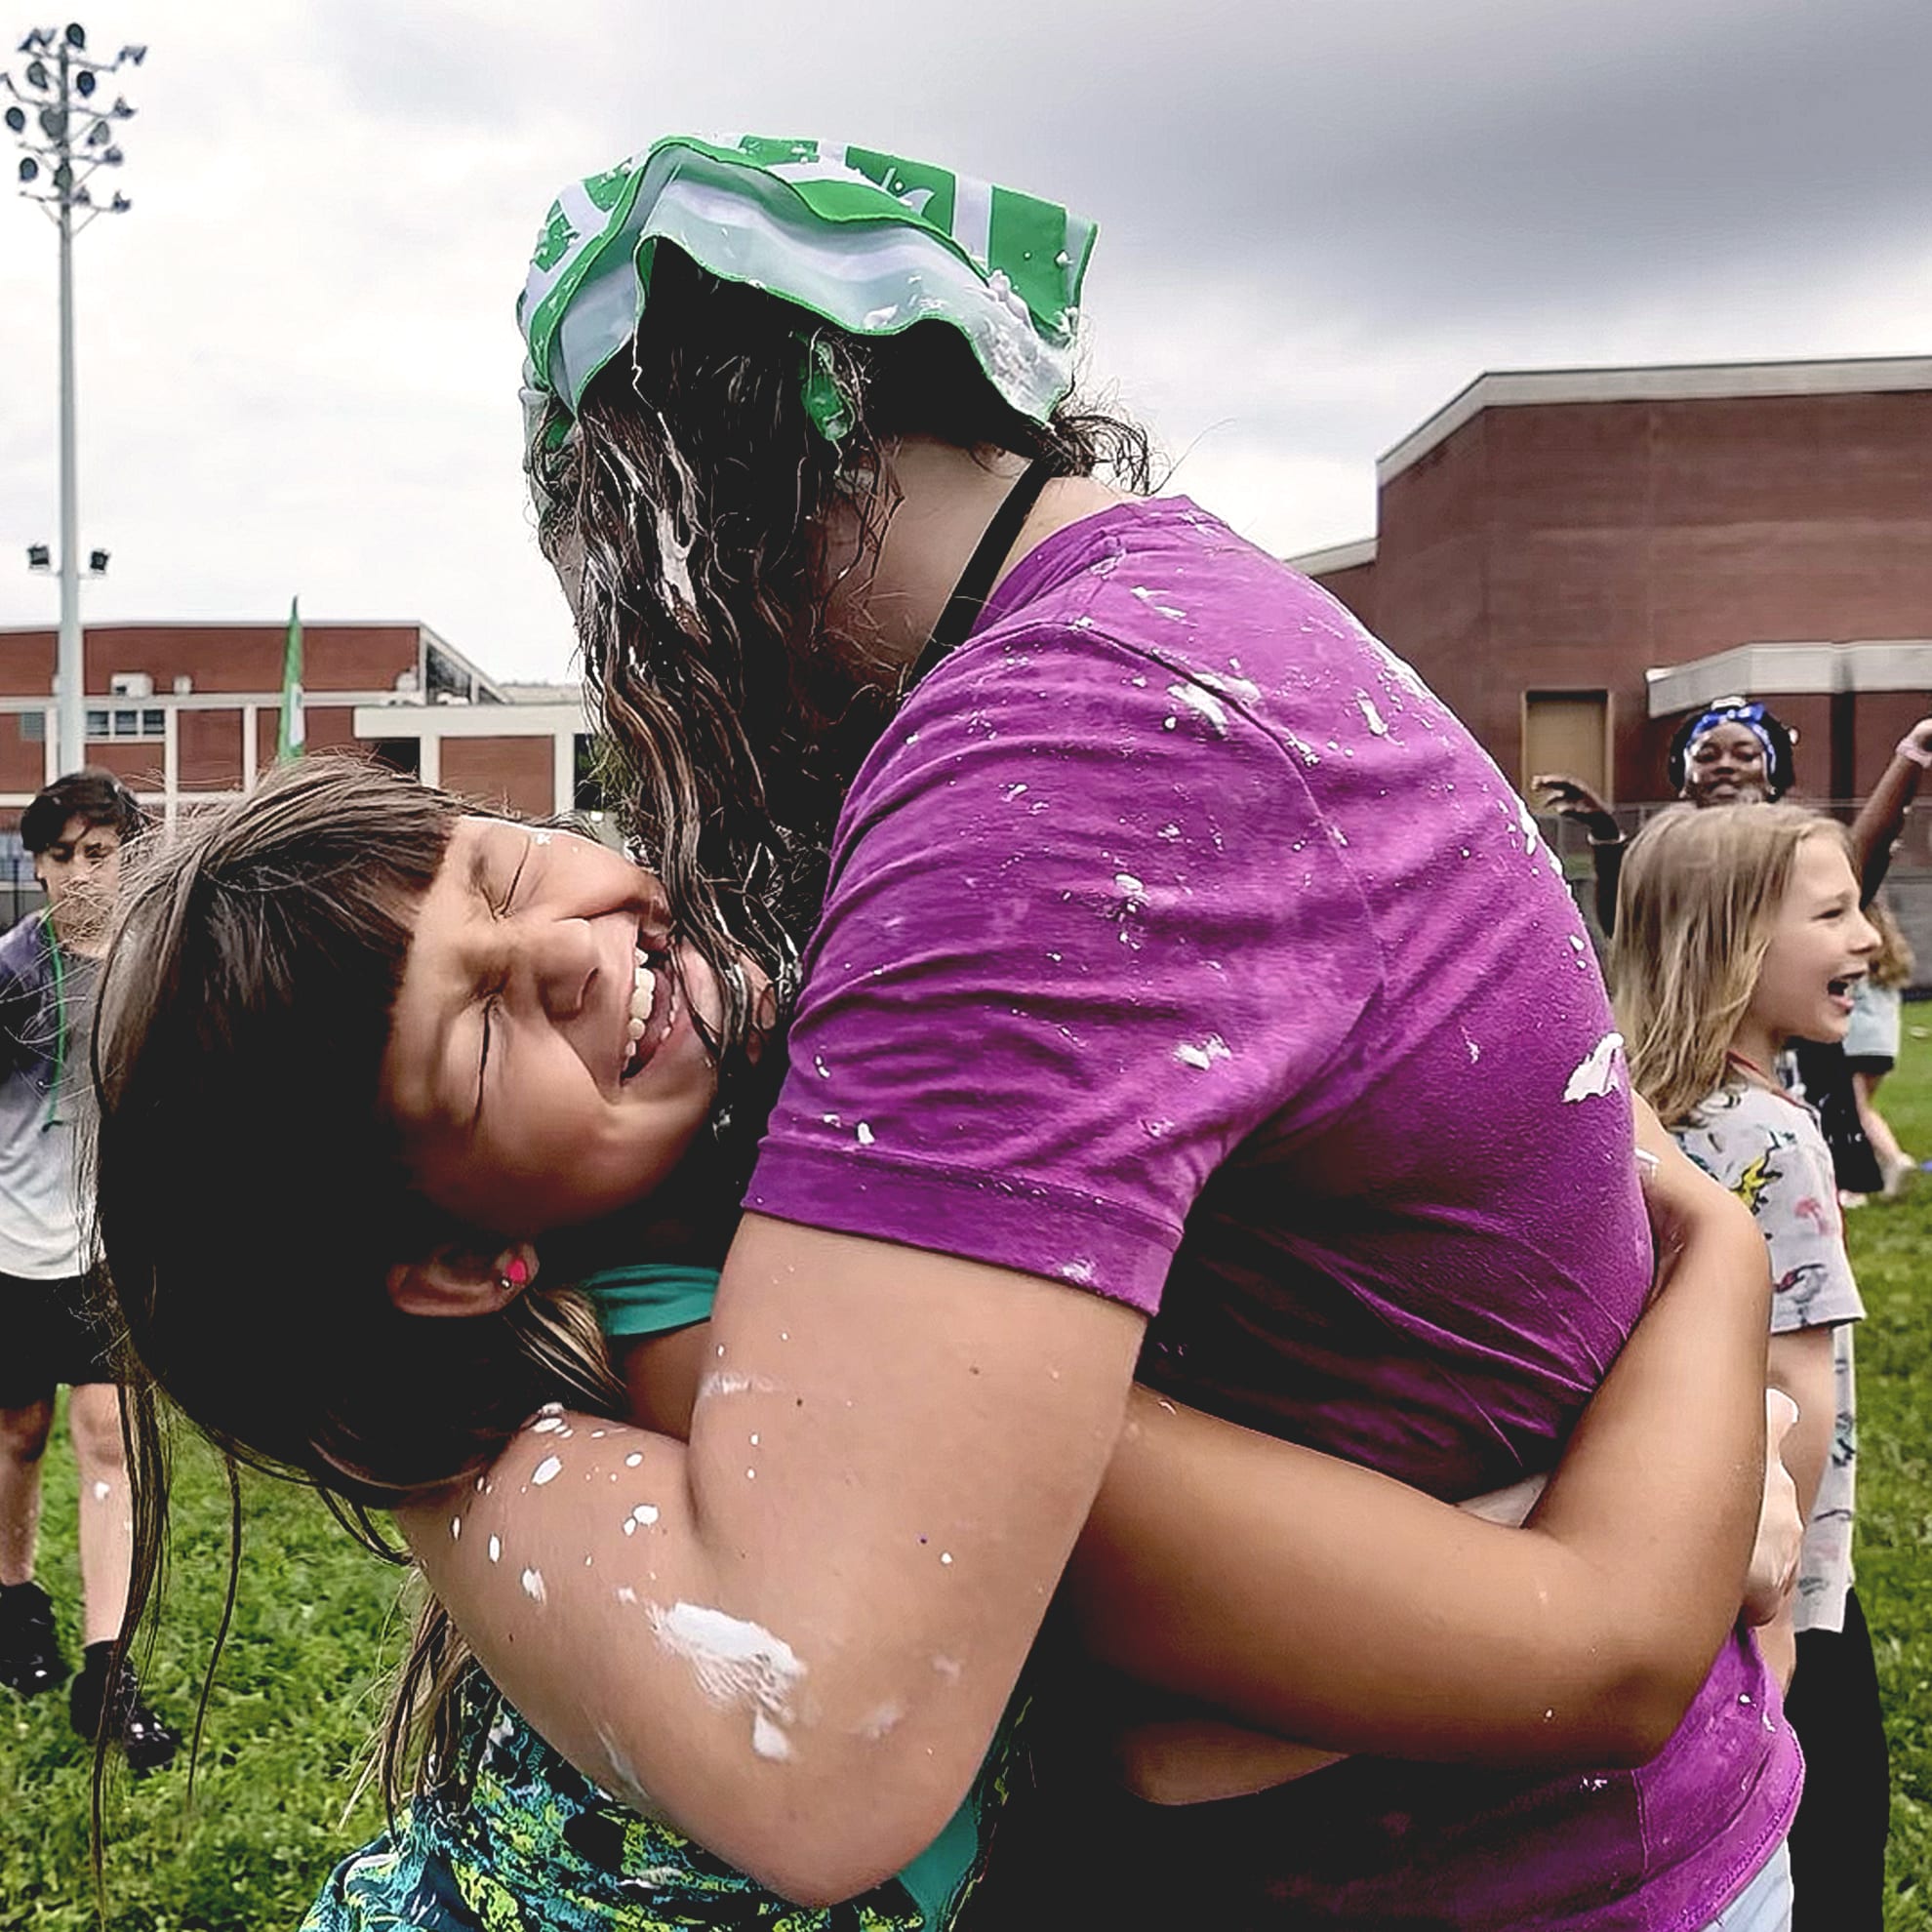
(635, 1026)
(643, 992)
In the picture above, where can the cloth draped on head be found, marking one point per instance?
(1770, 732)
(869, 243)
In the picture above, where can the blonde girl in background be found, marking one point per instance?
(1872, 1045)
(1739, 931)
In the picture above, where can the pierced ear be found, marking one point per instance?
(458, 1280)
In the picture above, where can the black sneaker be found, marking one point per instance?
(31, 1660)
(103, 1698)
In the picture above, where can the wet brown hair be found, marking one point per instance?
(687, 502)
(1696, 902)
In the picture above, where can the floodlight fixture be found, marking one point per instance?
(64, 135)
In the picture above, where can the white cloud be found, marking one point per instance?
(298, 364)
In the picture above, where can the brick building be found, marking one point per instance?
(188, 711)
(194, 711)
(1576, 558)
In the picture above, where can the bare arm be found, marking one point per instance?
(1881, 818)
(1328, 1605)
(799, 1647)
(1800, 1364)
(1571, 798)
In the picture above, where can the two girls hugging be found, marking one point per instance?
(1011, 1189)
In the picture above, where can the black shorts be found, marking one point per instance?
(50, 1333)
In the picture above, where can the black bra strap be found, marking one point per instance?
(975, 586)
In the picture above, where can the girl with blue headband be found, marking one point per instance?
(1739, 753)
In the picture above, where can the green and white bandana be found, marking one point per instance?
(871, 242)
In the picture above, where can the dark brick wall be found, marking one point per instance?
(500, 771)
(1575, 544)
(224, 657)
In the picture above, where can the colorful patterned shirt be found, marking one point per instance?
(1768, 1149)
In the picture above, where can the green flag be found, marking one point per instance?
(293, 732)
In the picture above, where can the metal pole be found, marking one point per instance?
(70, 707)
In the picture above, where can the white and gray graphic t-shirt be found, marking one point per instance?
(1768, 1150)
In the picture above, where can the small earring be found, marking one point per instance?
(515, 1274)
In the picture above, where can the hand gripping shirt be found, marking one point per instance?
(1181, 947)
(1768, 1149)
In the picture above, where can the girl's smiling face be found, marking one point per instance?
(542, 1068)
(1821, 946)
(1725, 766)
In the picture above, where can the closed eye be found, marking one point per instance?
(517, 878)
(483, 1059)
(492, 997)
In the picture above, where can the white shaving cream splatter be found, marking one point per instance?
(767, 1741)
(727, 1382)
(533, 1584)
(1147, 597)
(1203, 1056)
(1372, 717)
(882, 1720)
(495, 1548)
(675, 557)
(547, 1471)
(1598, 1073)
(736, 1663)
(1206, 702)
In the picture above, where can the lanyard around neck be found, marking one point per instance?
(976, 580)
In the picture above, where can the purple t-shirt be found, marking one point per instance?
(1182, 946)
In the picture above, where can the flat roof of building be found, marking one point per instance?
(1668, 382)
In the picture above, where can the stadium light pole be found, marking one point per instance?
(64, 140)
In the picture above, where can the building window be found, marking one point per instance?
(127, 721)
(33, 727)
(400, 754)
(446, 680)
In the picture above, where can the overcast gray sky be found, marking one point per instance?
(1319, 219)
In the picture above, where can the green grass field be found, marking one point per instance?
(300, 1684)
